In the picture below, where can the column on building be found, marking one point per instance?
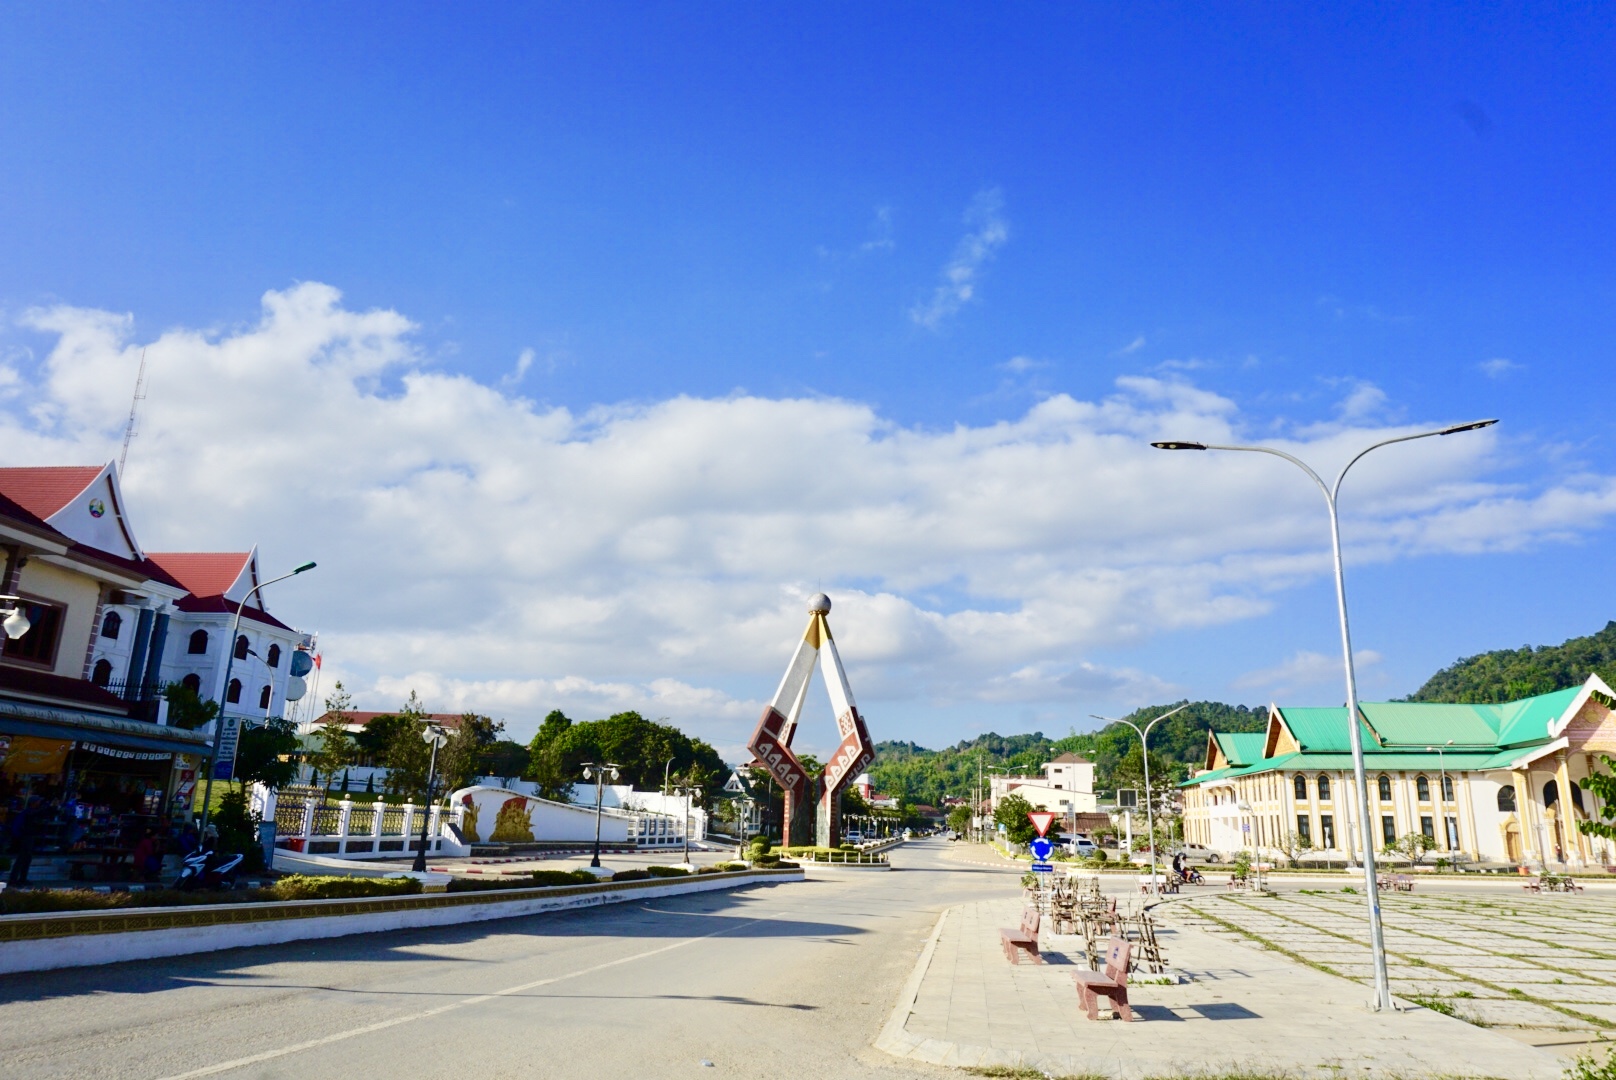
(137, 656)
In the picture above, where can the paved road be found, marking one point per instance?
(790, 980)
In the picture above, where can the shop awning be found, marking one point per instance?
(22, 718)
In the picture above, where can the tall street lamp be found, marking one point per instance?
(597, 773)
(1377, 940)
(690, 792)
(224, 695)
(1144, 752)
(435, 737)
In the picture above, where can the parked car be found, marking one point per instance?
(853, 836)
(1076, 844)
(1200, 853)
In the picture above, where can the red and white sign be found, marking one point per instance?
(1041, 820)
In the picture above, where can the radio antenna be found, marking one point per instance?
(140, 395)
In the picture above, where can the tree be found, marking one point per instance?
(336, 750)
(1292, 844)
(1603, 785)
(959, 818)
(1414, 845)
(406, 753)
(1012, 814)
(186, 709)
(545, 766)
(506, 759)
(267, 754)
(641, 749)
(1512, 674)
(460, 761)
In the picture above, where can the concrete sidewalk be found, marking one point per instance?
(1247, 1010)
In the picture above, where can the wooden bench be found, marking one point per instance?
(1023, 939)
(1109, 982)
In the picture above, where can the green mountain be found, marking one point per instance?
(1511, 674)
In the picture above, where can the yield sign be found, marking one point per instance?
(1041, 820)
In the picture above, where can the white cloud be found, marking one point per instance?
(881, 238)
(500, 555)
(524, 361)
(1364, 400)
(1133, 346)
(1304, 670)
(1498, 367)
(988, 232)
(1020, 365)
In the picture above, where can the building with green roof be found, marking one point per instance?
(1487, 783)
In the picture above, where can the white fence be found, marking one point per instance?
(376, 829)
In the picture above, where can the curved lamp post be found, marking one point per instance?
(1144, 753)
(224, 694)
(1377, 941)
(597, 773)
(435, 737)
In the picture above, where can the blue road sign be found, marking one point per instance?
(1043, 867)
(1041, 847)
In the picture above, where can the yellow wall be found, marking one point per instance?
(79, 594)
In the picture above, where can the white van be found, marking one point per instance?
(1076, 844)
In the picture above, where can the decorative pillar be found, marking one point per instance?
(137, 658)
(154, 655)
(344, 815)
(409, 823)
(308, 820)
(379, 807)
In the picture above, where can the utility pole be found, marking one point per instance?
(140, 395)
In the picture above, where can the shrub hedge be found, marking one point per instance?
(667, 871)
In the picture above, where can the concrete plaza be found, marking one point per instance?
(1489, 953)
(1247, 1010)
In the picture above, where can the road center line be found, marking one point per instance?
(383, 1025)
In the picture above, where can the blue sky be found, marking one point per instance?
(1334, 222)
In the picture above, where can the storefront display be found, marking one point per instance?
(95, 796)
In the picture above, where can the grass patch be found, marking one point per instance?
(1435, 1004)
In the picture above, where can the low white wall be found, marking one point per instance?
(498, 813)
(86, 950)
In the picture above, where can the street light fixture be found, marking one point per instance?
(1144, 752)
(224, 694)
(690, 792)
(597, 773)
(435, 736)
(1377, 940)
(16, 622)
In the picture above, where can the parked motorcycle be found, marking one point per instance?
(208, 869)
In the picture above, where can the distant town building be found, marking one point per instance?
(1066, 787)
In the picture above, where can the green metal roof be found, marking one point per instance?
(1402, 736)
(1324, 729)
(1241, 747)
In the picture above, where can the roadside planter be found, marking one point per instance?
(81, 939)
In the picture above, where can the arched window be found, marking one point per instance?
(103, 672)
(1384, 786)
(1447, 789)
(1324, 789)
(111, 625)
(199, 642)
(273, 659)
(232, 693)
(241, 647)
(1301, 788)
(1551, 794)
(1576, 798)
(193, 682)
(1422, 788)
(1506, 799)
(263, 698)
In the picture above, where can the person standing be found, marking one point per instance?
(24, 828)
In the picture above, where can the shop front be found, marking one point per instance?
(81, 791)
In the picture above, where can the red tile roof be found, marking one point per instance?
(20, 515)
(203, 573)
(25, 681)
(42, 490)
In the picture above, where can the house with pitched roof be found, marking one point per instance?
(1495, 783)
(1066, 787)
(111, 625)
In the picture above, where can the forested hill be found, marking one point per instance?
(1511, 674)
(1177, 744)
